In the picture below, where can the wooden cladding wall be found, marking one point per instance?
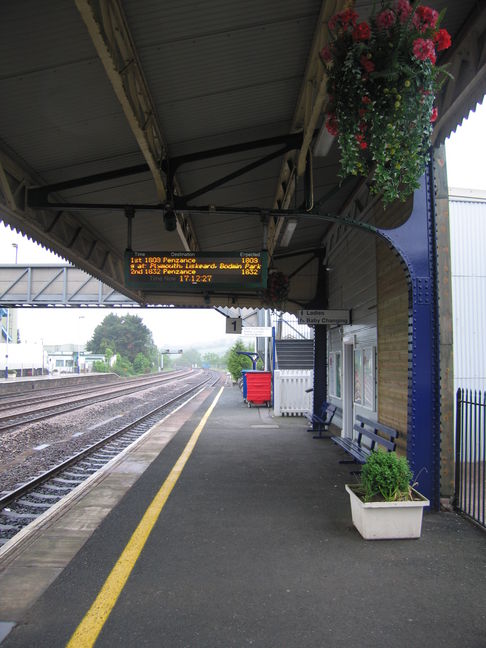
(392, 292)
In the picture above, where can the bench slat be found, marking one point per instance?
(359, 453)
(376, 438)
(369, 430)
(378, 426)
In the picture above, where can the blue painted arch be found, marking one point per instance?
(415, 244)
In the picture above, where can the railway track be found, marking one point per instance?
(25, 504)
(74, 401)
(42, 394)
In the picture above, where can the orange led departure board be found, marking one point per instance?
(195, 271)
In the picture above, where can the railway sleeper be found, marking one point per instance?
(80, 473)
(7, 527)
(34, 505)
(14, 515)
(57, 489)
(67, 482)
(44, 496)
(92, 464)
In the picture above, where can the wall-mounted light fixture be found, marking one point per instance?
(288, 232)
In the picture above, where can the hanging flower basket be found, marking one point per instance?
(382, 82)
(277, 290)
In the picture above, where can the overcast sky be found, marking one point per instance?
(201, 328)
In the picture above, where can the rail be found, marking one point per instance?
(17, 512)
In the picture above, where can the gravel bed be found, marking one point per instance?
(23, 454)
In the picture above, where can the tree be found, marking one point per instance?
(190, 358)
(123, 366)
(141, 364)
(127, 336)
(236, 362)
(214, 360)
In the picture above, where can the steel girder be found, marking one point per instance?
(414, 242)
(53, 286)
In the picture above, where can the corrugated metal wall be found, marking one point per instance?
(468, 269)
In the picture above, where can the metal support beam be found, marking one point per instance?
(310, 105)
(108, 29)
(414, 242)
(57, 231)
(38, 197)
(45, 286)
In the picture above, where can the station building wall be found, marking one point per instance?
(368, 278)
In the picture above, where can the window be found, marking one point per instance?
(335, 374)
(59, 363)
(369, 377)
(364, 377)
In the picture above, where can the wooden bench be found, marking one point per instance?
(374, 433)
(320, 422)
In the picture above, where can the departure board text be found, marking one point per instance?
(195, 271)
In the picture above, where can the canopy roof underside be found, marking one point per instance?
(216, 102)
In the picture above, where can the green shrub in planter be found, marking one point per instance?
(386, 476)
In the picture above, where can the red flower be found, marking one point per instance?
(332, 125)
(404, 10)
(366, 63)
(361, 141)
(386, 19)
(361, 32)
(326, 54)
(344, 19)
(443, 39)
(424, 49)
(349, 17)
(434, 115)
(366, 100)
(428, 16)
(425, 18)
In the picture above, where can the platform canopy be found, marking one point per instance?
(187, 126)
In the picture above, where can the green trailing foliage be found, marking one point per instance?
(382, 84)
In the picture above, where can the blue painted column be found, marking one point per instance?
(320, 367)
(414, 241)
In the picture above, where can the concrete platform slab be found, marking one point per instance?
(255, 546)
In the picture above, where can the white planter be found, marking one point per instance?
(387, 520)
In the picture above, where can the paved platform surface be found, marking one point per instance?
(255, 547)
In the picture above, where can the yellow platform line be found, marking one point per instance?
(90, 627)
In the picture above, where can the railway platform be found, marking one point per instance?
(227, 527)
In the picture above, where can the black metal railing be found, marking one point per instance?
(470, 480)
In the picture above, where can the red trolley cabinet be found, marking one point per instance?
(258, 388)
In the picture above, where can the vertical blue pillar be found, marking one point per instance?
(320, 367)
(414, 242)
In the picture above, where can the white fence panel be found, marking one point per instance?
(290, 397)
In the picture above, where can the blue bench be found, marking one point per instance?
(320, 422)
(373, 433)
